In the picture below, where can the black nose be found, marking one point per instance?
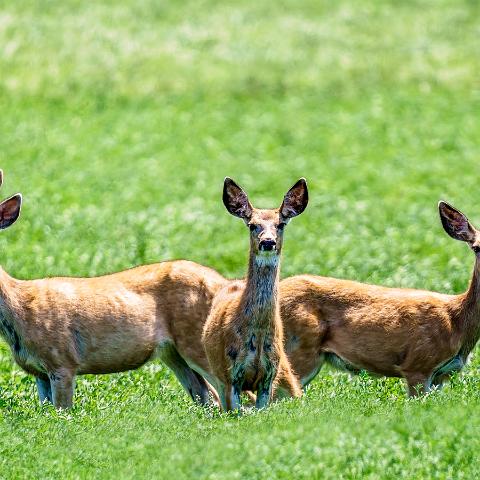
(267, 245)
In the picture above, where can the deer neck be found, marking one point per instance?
(469, 312)
(8, 303)
(260, 298)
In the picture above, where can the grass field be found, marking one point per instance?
(119, 121)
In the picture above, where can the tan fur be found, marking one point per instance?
(70, 326)
(243, 335)
(58, 328)
(387, 331)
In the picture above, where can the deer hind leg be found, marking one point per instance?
(203, 392)
(445, 372)
(44, 389)
(439, 380)
(191, 381)
(62, 382)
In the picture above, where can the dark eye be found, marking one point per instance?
(252, 227)
(476, 249)
(281, 226)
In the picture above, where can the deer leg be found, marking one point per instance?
(438, 380)
(212, 392)
(235, 397)
(417, 383)
(227, 397)
(251, 397)
(44, 389)
(306, 380)
(264, 390)
(236, 387)
(201, 391)
(288, 384)
(445, 372)
(62, 382)
(191, 381)
(223, 393)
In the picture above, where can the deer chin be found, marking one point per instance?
(267, 258)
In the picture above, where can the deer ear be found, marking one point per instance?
(296, 200)
(236, 200)
(10, 210)
(455, 223)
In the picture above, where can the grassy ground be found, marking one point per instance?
(118, 123)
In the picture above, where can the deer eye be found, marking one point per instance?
(476, 249)
(281, 226)
(252, 227)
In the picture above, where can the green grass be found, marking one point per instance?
(119, 121)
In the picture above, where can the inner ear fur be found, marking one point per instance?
(295, 200)
(456, 223)
(236, 200)
(10, 210)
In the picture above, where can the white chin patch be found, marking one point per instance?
(266, 259)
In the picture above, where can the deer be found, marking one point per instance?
(61, 327)
(420, 336)
(243, 334)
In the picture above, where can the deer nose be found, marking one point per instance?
(267, 245)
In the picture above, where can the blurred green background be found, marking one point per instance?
(118, 123)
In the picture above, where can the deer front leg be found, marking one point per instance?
(62, 382)
(288, 384)
(417, 383)
(235, 397)
(264, 390)
(44, 389)
(234, 390)
(230, 399)
(271, 368)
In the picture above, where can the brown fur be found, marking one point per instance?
(243, 335)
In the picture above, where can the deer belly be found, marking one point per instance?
(116, 353)
(115, 365)
(356, 365)
(339, 363)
